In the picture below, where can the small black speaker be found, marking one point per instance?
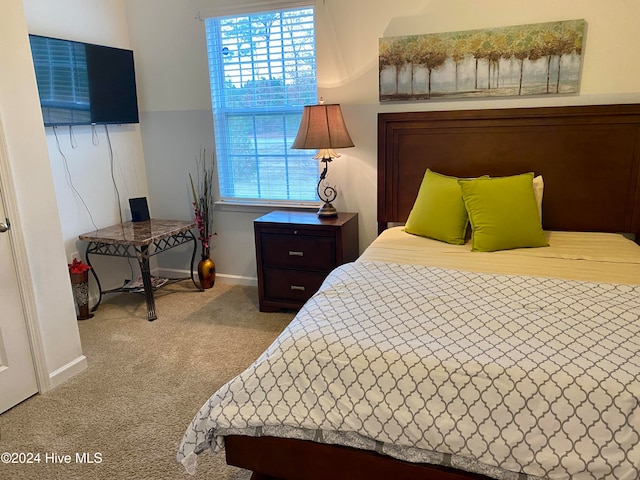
(139, 209)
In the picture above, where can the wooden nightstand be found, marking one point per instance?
(295, 251)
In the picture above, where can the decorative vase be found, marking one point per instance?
(206, 272)
(80, 287)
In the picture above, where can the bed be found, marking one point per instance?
(425, 360)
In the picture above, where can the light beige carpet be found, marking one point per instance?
(145, 382)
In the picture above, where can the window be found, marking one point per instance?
(262, 72)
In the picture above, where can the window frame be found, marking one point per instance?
(221, 128)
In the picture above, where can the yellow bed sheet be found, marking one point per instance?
(586, 256)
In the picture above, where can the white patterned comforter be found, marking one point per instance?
(492, 373)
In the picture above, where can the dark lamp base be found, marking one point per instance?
(327, 210)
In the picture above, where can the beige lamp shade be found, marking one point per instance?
(322, 127)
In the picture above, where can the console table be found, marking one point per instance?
(140, 240)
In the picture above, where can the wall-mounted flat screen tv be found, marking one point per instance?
(84, 84)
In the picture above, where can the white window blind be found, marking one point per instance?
(227, 8)
(262, 72)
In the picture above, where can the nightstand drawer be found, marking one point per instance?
(296, 251)
(293, 285)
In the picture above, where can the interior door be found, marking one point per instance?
(17, 372)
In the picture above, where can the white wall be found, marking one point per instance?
(48, 298)
(92, 186)
(176, 102)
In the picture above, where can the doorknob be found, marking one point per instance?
(5, 226)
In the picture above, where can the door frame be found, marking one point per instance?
(21, 265)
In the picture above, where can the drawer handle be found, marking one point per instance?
(295, 253)
(298, 287)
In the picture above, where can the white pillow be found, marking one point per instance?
(538, 189)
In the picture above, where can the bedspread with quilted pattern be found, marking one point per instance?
(508, 375)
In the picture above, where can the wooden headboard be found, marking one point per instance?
(589, 157)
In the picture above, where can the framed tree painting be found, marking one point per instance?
(535, 59)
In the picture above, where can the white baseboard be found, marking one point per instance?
(220, 277)
(65, 372)
(237, 280)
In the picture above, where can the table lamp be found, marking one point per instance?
(322, 127)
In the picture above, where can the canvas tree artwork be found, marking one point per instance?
(535, 59)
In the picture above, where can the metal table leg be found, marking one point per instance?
(143, 259)
(95, 276)
(193, 259)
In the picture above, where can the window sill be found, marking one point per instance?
(257, 207)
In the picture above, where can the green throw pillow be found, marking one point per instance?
(438, 211)
(503, 213)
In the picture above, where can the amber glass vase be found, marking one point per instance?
(206, 272)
